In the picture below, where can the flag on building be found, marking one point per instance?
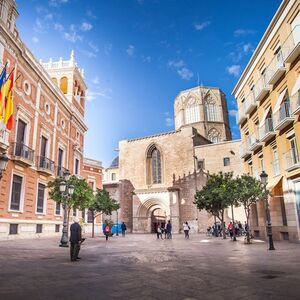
(9, 104)
(2, 81)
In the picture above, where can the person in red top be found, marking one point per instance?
(230, 229)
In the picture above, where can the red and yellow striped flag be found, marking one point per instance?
(7, 102)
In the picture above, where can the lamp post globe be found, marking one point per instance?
(71, 189)
(62, 187)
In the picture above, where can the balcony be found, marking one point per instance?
(250, 103)
(45, 165)
(244, 149)
(60, 171)
(261, 89)
(275, 69)
(3, 139)
(275, 167)
(266, 130)
(241, 116)
(292, 160)
(291, 46)
(282, 117)
(254, 142)
(295, 104)
(22, 154)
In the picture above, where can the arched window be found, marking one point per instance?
(211, 110)
(153, 165)
(64, 85)
(192, 114)
(214, 136)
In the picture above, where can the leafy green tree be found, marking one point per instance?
(102, 203)
(216, 196)
(81, 198)
(249, 191)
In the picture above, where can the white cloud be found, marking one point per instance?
(88, 53)
(35, 39)
(130, 50)
(96, 80)
(234, 70)
(58, 27)
(93, 95)
(93, 47)
(247, 47)
(48, 17)
(89, 13)
(169, 120)
(243, 32)
(57, 3)
(201, 26)
(107, 48)
(232, 112)
(85, 26)
(146, 59)
(72, 35)
(185, 73)
(39, 26)
(176, 63)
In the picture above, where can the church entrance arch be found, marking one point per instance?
(151, 213)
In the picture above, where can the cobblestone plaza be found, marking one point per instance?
(142, 267)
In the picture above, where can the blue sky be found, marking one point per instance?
(139, 54)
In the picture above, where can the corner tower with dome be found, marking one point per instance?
(155, 177)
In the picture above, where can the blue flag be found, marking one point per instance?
(2, 77)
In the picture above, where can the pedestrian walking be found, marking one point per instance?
(158, 232)
(123, 227)
(75, 240)
(106, 231)
(186, 229)
(169, 230)
(230, 229)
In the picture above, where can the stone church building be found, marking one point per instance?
(155, 177)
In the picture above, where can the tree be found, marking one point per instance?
(81, 198)
(216, 196)
(102, 203)
(249, 191)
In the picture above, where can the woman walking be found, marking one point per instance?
(186, 229)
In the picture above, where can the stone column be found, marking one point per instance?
(174, 210)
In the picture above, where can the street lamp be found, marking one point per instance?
(3, 163)
(66, 191)
(264, 181)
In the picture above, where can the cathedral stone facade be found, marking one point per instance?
(159, 174)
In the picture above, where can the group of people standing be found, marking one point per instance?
(167, 230)
(236, 228)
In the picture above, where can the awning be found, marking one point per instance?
(279, 101)
(262, 121)
(296, 87)
(273, 182)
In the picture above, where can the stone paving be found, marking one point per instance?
(143, 268)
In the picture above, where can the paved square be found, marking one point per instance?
(141, 267)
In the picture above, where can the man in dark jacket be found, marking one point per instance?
(75, 240)
(123, 227)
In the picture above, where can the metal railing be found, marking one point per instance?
(22, 151)
(60, 171)
(244, 148)
(276, 63)
(45, 163)
(254, 138)
(259, 86)
(241, 113)
(292, 158)
(291, 42)
(283, 113)
(250, 101)
(266, 128)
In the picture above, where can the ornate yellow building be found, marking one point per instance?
(268, 98)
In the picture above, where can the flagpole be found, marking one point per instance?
(3, 69)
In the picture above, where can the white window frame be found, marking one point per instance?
(74, 165)
(55, 214)
(22, 196)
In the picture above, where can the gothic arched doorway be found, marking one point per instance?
(158, 217)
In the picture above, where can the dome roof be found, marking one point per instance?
(115, 163)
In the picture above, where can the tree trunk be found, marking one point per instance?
(223, 227)
(248, 227)
(93, 225)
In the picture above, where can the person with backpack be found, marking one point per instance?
(106, 231)
(123, 227)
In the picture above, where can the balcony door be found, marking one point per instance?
(60, 161)
(296, 29)
(43, 152)
(20, 141)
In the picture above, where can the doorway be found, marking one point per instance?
(158, 217)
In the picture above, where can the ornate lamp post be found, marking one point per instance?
(264, 181)
(67, 191)
(3, 163)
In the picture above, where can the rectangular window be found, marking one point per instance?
(13, 228)
(39, 228)
(60, 162)
(40, 198)
(294, 150)
(226, 161)
(57, 208)
(57, 228)
(90, 216)
(113, 176)
(74, 212)
(91, 185)
(201, 164)
(76, 166)
(16, 192)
